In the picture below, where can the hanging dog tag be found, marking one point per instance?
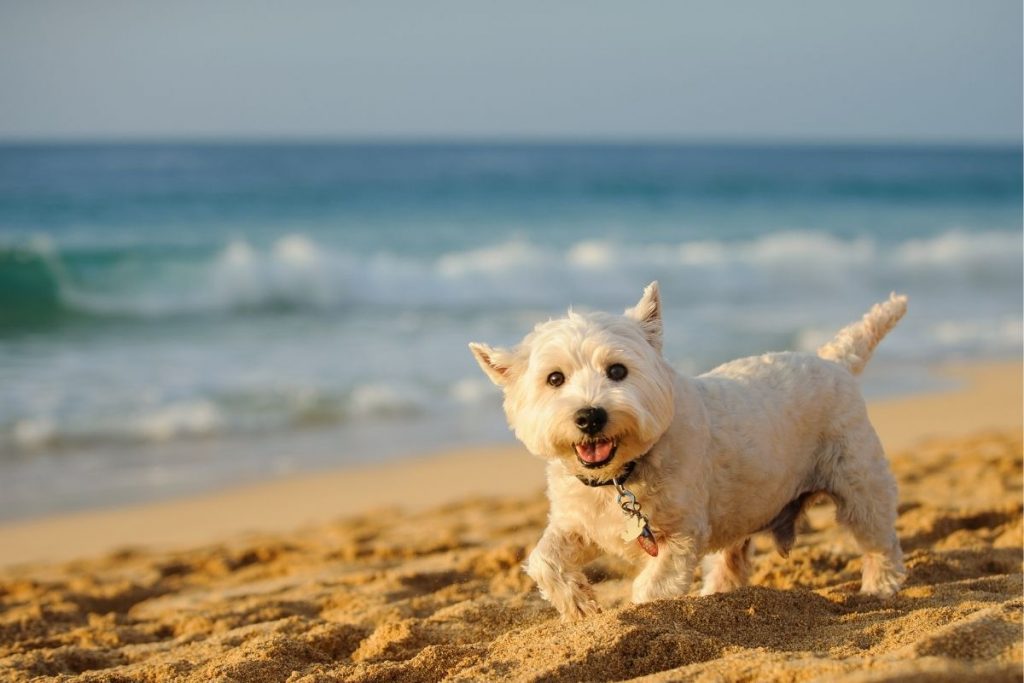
(646, 541)
(635, 525)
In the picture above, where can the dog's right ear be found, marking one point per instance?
(496, 363)
(647, 312)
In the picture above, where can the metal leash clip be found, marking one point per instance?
(637, 525)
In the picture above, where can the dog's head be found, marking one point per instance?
(593, 390)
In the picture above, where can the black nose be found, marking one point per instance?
(591, 420)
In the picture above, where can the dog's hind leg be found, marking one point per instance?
(866, 503)
(556, 565)
(727, 569)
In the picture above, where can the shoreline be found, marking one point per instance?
(988, 398)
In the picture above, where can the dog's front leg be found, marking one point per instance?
(556, 564)
(670, 574)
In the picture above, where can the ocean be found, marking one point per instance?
(176, 317)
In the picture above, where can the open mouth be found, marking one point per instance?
(597, 452)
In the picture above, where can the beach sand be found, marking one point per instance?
(418, 578)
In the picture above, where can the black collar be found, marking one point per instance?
(621, 479)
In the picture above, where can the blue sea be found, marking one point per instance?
(175, 317)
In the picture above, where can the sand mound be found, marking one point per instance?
(395, 597)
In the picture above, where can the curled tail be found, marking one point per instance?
(853, 345)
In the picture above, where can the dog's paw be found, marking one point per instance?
(883, 586)
(720, 583)
(576, 604)
(581, 609)
(882, 577)
(712, 585)
(647, 593)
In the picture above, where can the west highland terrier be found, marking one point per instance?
(662, 469)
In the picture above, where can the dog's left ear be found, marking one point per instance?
(496, 363)
(647, 312)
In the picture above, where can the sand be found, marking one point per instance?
(426, 584)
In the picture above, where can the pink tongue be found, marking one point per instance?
(597, 451)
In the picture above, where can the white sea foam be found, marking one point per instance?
(176, 419)
(979, 337)
(297, 272)
(184, 418)
(164, 421)
(382, 399)
(473, 391)
(34, 433)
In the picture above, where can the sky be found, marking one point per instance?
(785, 70)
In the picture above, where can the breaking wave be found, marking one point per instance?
(40, 282)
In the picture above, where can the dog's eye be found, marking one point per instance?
(617, 372)
(556, 379)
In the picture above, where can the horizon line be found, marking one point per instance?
(512, 140)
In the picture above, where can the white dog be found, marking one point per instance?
(663, 469)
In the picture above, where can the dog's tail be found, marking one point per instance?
(853, 345)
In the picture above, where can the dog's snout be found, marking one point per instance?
(591, 420)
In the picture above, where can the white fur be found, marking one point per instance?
(717, 456)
